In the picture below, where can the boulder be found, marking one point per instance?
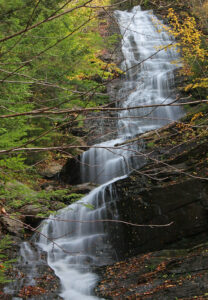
(33, 210)
(83, 188)
(183, 204)
(51, 170)
(70, 173)
(11, 225)
(30, 213)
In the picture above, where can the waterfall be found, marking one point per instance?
(148, 83)
(81, 236)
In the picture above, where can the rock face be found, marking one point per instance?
(170, 262)
(124, 5)
(171, 188)
(70, 173)
(51, 170)
(31, 212)
(45, 285)
(13, 226)
(165, 274)
(185, 204)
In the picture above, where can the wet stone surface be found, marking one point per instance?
(29, 277)
(165, 274)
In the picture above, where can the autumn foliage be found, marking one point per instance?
(191, 41)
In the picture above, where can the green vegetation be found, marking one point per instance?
(15, 195)
(150, 145)
(49, 60)
(5, 264)
(52, 66)
(56, 64)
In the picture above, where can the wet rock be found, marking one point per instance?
(11, 225)
(41, 285)
(165, 274)
(30, 214)
(170, 196)
(184, 204)
(70, 173)
(33, 210)
(51, 170)
(78, 132)
(48, 186)
(109, 57)
(84, 188)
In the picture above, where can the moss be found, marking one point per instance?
(150, 145)
(14, 195)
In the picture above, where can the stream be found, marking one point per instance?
(80, 231)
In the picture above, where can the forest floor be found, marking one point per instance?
(170, 274)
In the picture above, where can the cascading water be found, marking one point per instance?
(149, 80)
(82, 238)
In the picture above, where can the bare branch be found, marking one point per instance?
(92, 109)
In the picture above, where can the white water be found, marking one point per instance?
(148, 83)
(83, 243)
(86, 243)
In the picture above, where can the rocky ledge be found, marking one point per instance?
(171, 189)
(165, 274)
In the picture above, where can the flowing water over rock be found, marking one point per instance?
(81, 238)
(149, 80)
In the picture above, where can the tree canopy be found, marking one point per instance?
(49, 59)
